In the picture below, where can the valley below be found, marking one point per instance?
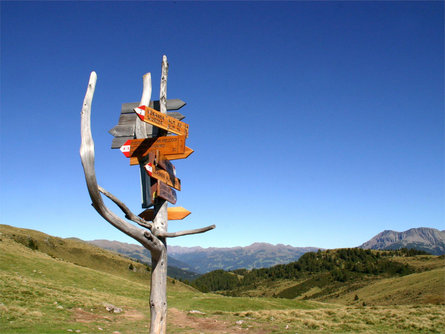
(55, 285)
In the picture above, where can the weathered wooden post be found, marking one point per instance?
(150, 148)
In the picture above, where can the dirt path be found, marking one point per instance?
(198, 323)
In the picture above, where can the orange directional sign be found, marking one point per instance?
(165, 144)
(175, 213)
(161, 120)
(162, 169)
(172, 156)
(163, 176)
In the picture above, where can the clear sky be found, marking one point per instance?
(313, 123)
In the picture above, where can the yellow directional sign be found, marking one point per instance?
(162, 121)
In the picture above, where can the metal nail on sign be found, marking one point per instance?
(162, 121)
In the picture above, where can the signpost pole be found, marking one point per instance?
(158, 296)
(152, 235)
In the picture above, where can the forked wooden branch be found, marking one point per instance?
(152, 243)
(155, 242)
(128, 214)
(186, 232)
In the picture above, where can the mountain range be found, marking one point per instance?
(202, 260)
(263, 255)
(175, 268)
(423, 238)
(257, 255)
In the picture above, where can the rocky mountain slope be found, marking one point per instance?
(427, 239)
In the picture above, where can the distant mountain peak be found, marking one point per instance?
(427, 239)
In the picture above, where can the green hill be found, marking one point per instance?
(340, 276)
(52, 285)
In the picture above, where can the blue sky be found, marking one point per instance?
(313, 123)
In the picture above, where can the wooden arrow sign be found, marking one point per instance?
(161, 161)
(172, 104)
(166, 171)
(160, 189)
(163, 176)
(166, 145)
(173, 156)
(162, 121)
(125, 129)
(174, 213)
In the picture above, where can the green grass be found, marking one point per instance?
(41, 293)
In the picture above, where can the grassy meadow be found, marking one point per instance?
(53, 285)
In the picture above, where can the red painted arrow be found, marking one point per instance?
(125, 149)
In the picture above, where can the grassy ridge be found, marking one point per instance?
(338, 276)
(77, 252)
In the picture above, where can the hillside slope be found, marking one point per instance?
(414, 289)
(337, 276)
(176, 268)
(51, 285)
(427, 239)
(43, 294)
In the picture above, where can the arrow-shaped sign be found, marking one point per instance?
(162, 175)
(141, 147)
(162, 121)
(160, 189)
(161, 161)
(172, 104)
(125, 129)
(166, 171)
(174, 213)
(172, 156)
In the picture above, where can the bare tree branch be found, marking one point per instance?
(128, 214)
(187, 232)
(87, 157)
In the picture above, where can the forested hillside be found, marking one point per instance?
(327, 271)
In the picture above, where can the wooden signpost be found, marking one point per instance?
(163, 191)
(148, 144)
(126, 127)
(162, 175)
(161, 161)
(165, 144)
(171, 156)
(174, 213)
(161, 120)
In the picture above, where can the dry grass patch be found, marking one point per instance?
(397, 319)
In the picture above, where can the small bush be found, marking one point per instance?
(32, 244)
